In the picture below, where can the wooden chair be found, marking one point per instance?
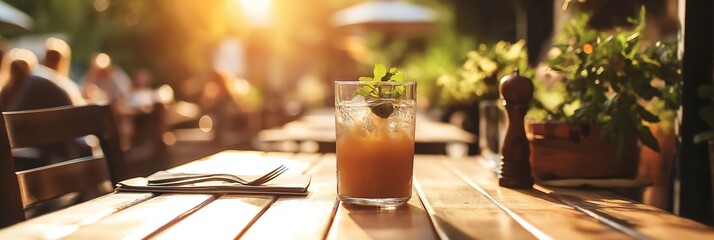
(52, 125)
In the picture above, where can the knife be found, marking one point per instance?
(610, 221)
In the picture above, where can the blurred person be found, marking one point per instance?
(141, 120)
(140, 96)
(222, 104)
(21, 90)
(55, 67)
(3, 50)
(105, 82)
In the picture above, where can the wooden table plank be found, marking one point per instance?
(537, 208)
(59, 224)
(457, 210)
(221, 219)
(142, 219)
(154, 215)
(406, 222)
(648, 220)
(298, 217)
(231, 214)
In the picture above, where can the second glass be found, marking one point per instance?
(375, 142)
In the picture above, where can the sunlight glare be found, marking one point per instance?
(60, 231)
(169, 138)
(241, 86)
(101, 5)
(165, 93)
(257, 11)
(186, 109)
(102, 60)
(205, 123)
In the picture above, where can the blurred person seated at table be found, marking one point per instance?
(55, 67)
(142, 118)
(21, 90)
(221, 101)
(141, 97)
(105, 82)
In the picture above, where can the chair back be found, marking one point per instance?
(36, 128)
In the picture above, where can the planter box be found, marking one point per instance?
(568, 151)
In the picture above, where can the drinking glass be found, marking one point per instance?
(375, 142)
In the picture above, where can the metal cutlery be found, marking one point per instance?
(187, 178)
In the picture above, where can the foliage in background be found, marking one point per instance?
(450, 69)
(479, 76)
(608, 79)
(706, 92)
(425, 59)
(668, 79)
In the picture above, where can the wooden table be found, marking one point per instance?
(318, 126)
(452, 199)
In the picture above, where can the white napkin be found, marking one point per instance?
(282, 185)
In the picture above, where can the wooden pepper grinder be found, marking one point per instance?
(517, 91)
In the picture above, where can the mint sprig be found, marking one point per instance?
(372, 88)
(381, 96)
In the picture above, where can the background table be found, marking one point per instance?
(318, 126)
(452, 199)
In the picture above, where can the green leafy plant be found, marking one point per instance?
(609, 80)
(706, 112)
(381, 95)
(479, 76)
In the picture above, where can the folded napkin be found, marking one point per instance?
(283, 185)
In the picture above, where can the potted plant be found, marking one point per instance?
(594, 128)
(474, 90)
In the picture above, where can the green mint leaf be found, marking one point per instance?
(367, 91)
(397, 77)
(379, 71)
(365, 79)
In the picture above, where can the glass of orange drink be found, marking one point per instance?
(375, 141)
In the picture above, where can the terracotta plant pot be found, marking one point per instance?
(567, 151)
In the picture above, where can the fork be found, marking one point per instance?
(194, 178)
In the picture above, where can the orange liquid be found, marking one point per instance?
(374, 165)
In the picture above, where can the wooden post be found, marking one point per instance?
(694, 198)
